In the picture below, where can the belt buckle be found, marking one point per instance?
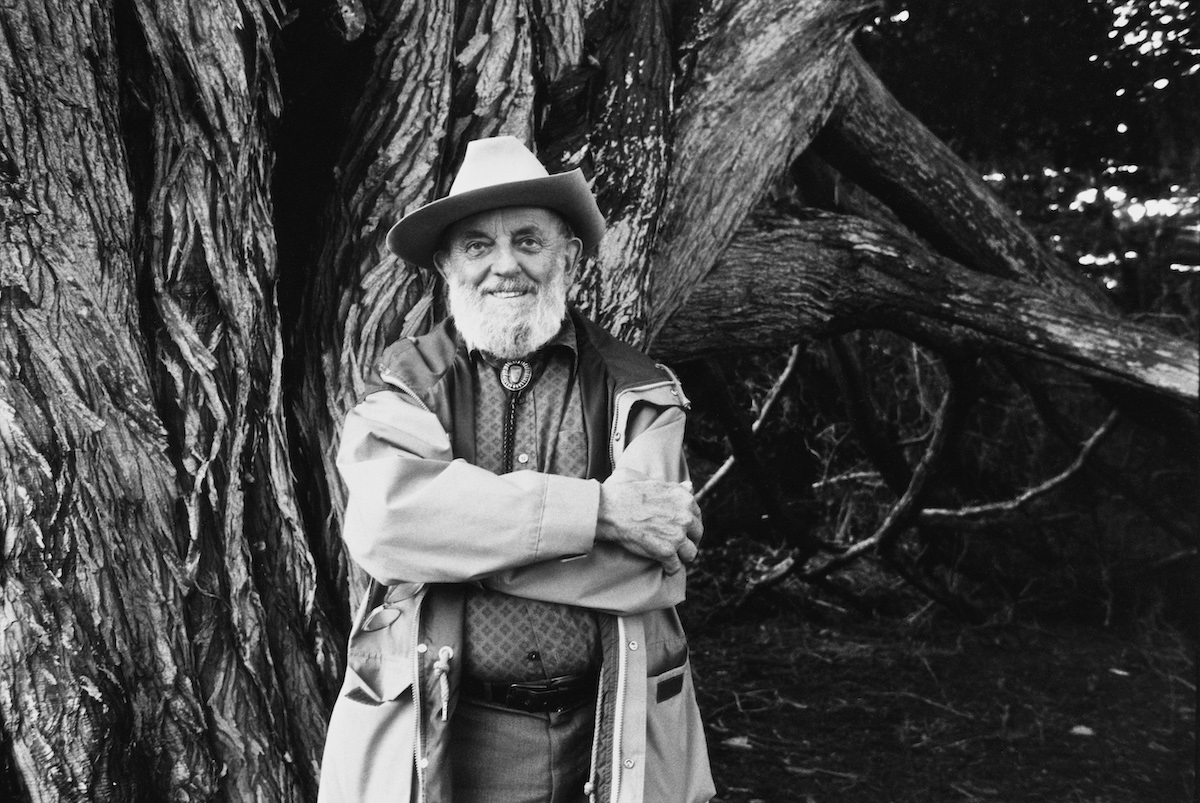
(536, 698)
(550, 696)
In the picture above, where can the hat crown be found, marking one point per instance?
(496, 160)
(498, 172)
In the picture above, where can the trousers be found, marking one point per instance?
(500, 755)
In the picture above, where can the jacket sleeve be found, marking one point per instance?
(608, 578)
(414, 514)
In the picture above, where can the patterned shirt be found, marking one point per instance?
(507, 638)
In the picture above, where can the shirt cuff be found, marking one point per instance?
(569, 517)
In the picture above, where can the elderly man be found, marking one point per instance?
(517, 492)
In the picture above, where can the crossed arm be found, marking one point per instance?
(414, 514)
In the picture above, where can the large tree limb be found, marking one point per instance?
(764, 85)
(883, 148)
(786, 279)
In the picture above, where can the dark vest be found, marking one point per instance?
(434, 365)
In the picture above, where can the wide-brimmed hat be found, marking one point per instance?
(495, 173)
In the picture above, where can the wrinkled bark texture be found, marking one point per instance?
(99, 686)
(194, 284)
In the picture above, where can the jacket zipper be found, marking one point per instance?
(612, 435)
(619, 709)
(622, 669)
(419, 741)
(391, 379)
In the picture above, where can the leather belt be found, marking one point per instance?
(553, 695)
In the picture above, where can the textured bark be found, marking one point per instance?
(211, 91)
(785, 279)
(97, 682)
(621, 137)
(764, 86)
(175, 598)
(173, 608)
(359, 294)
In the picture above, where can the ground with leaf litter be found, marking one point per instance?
(846, 708)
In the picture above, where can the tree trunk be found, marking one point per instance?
(193, 226)
(265, 656)
(98, 683)
(162, 633)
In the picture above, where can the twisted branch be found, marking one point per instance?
(768, 404)
(972, 513)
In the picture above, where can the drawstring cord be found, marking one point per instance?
(441, 670)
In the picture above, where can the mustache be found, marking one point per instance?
(509, 286)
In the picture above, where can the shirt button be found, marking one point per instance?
(534, 655)
(522, 458)
(424, 763)
(633, 645)
(422, 648)
(629, 763)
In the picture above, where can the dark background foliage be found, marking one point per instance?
(1080, 114)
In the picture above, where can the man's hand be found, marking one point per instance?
(654, 519)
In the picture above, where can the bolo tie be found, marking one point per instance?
(515, 376)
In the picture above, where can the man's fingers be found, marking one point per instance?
(654, 519)
(687, 553)
(695, 528)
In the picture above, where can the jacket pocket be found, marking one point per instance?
(379, 661)
(369, 742)
(677, 769)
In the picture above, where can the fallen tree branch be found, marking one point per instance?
(949, 516)
(784, 278)
(901, 514)
(879, 444)
(767, 405)
(944, 597)
(1097, 468)
(882, 540)
(713, 387)
(1162, 563)
(849, 476)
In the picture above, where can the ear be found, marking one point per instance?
(439, 262)
(574, 250)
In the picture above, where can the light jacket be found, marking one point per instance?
(413, 500)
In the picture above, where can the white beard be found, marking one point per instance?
(508, 328)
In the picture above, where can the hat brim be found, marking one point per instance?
(416, 236)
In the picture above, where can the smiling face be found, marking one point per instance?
(506, 273)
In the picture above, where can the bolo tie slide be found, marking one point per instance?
(515, 376)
